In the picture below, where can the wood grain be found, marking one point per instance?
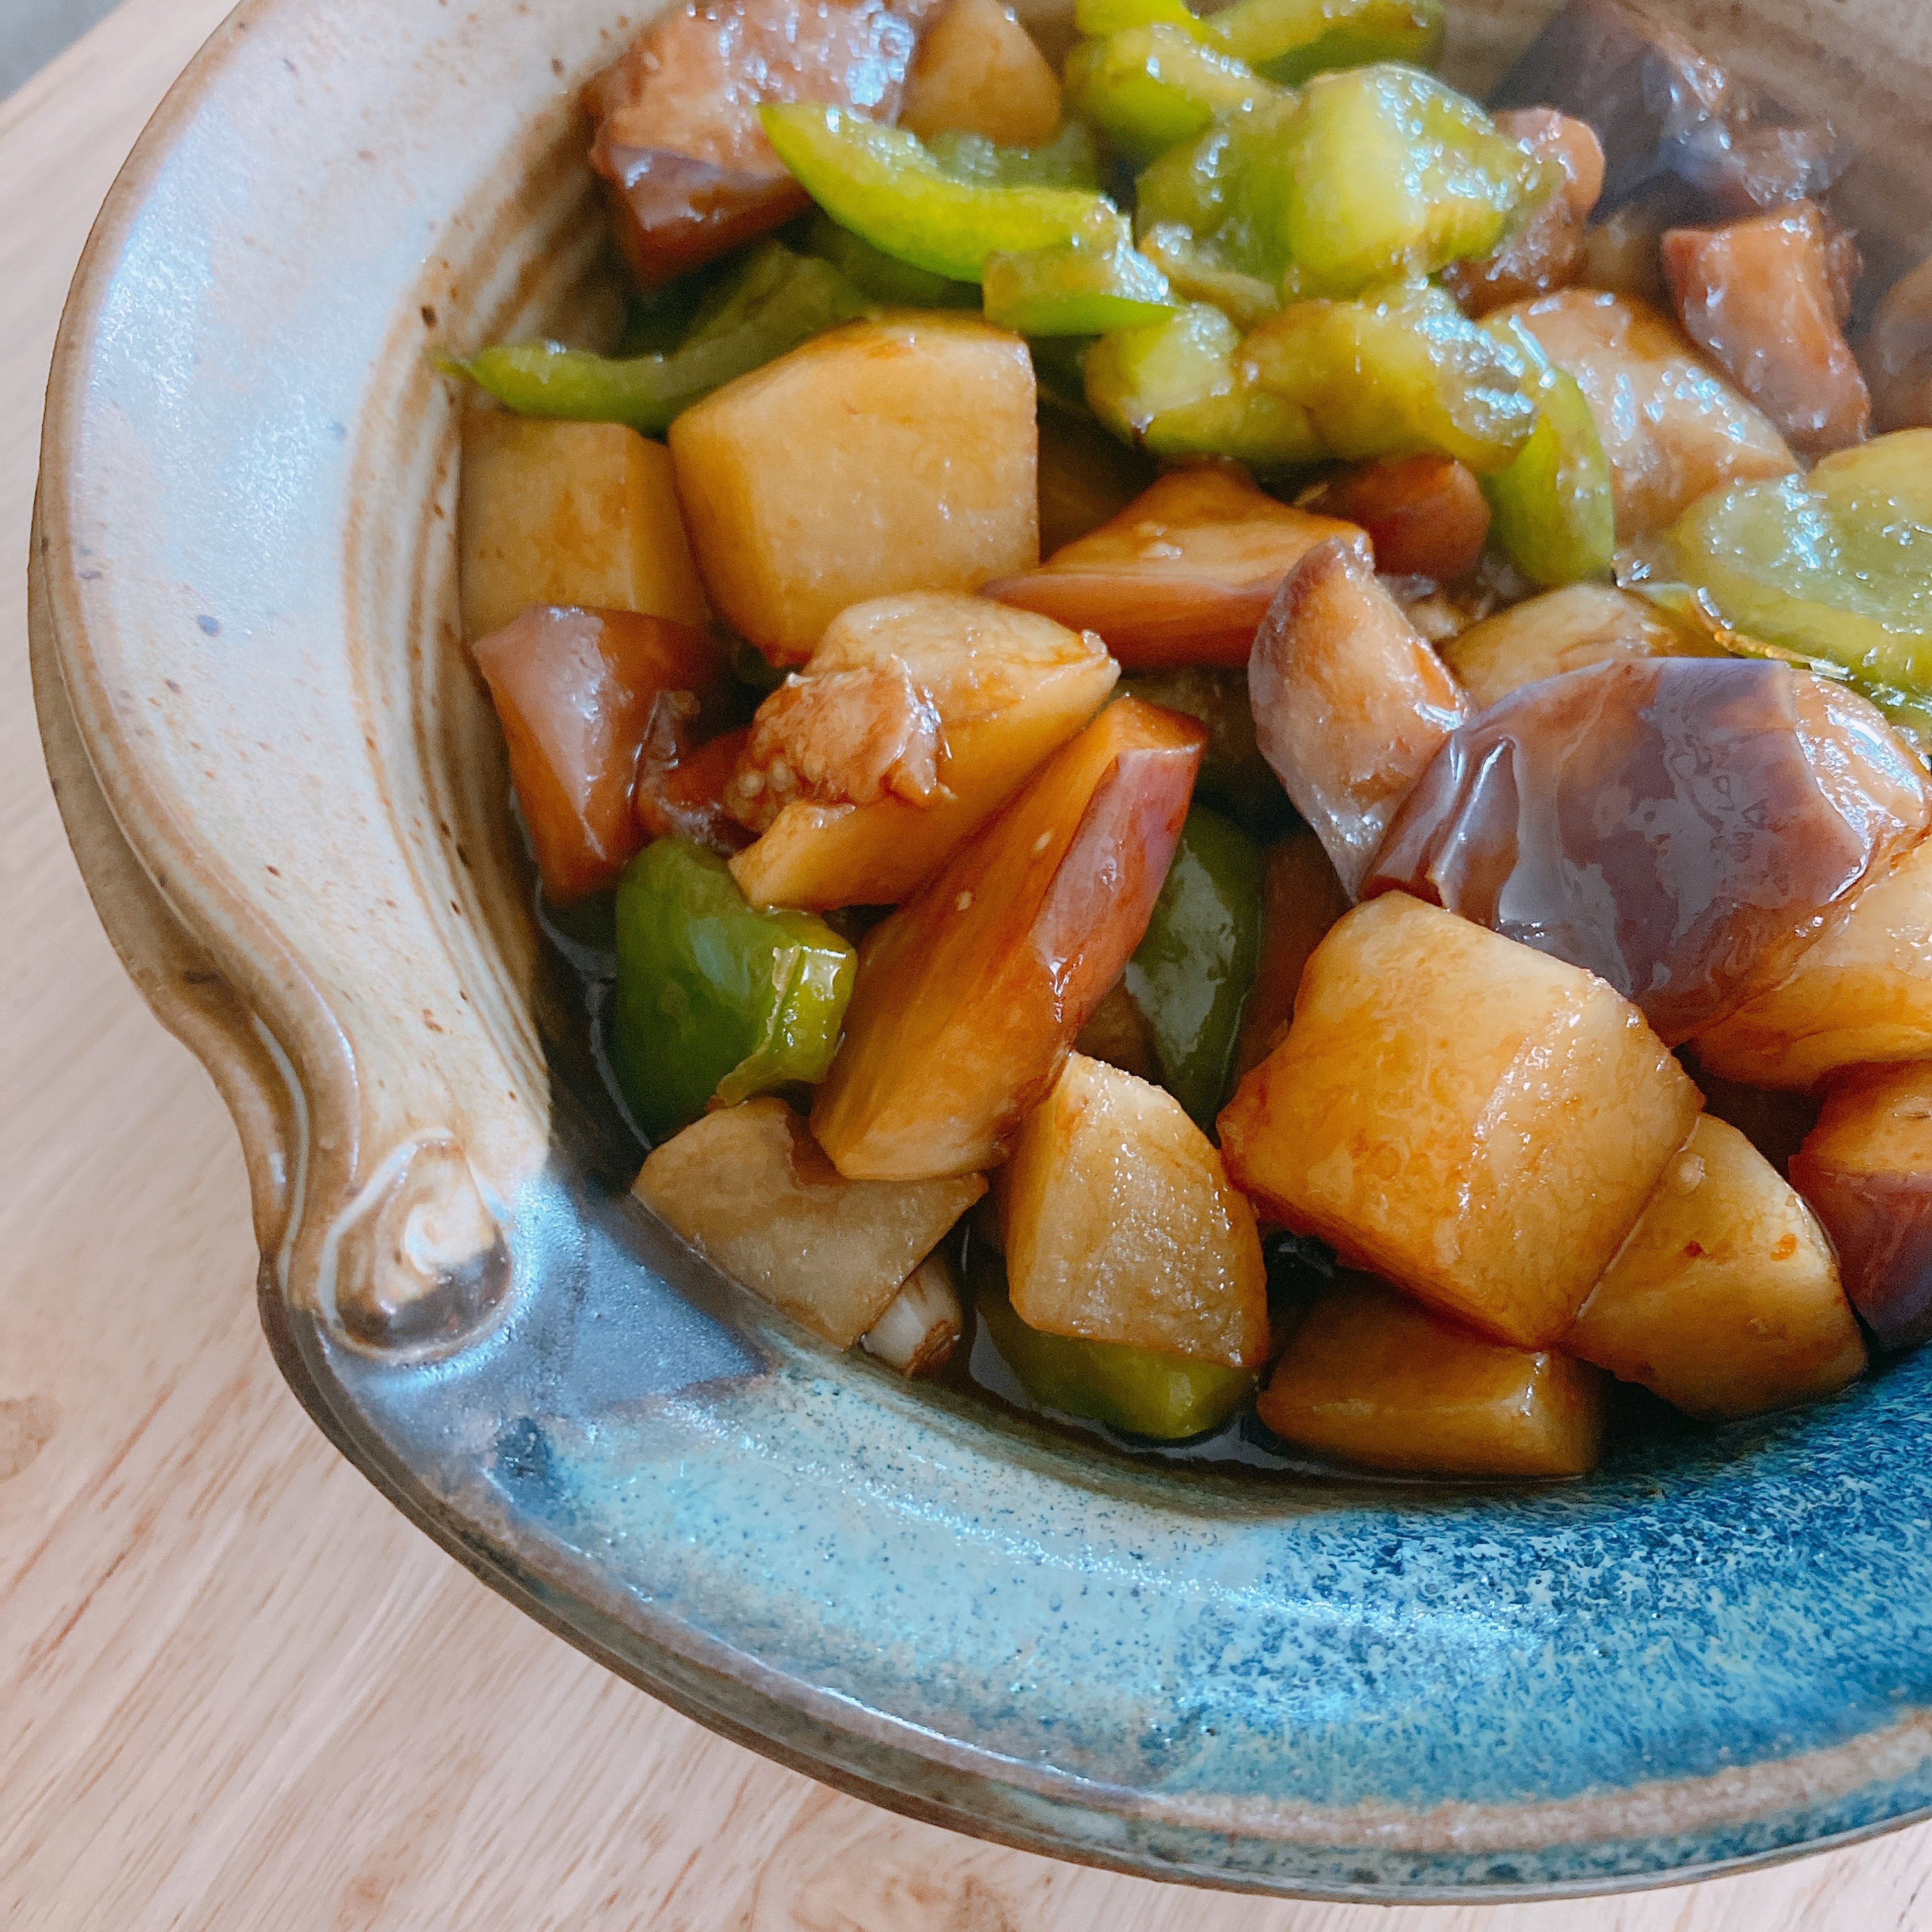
(238, 1691)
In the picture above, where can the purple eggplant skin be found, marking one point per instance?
(1677, 127)
(1680, 826)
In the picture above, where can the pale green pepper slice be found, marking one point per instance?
(1069, 159)
(1554, 514)
(1150, 88)
(714, 999)
(1837, 565)
(777, 301)
(1290, 41)
(1179, 388)
(884, 184)
(1400, 372)
(1167, 1397)
(893, 284)
(1077, 289)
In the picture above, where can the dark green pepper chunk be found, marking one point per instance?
(885, 184)
(777, 301)
(1192, 973)
(1168, 1397)
(714, 999)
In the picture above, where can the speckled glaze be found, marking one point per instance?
(284, 786)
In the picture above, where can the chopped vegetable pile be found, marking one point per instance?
(1254, 730)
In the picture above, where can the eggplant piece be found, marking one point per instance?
(1682, 827)
(1764, 298)
(678, 139)
(1549, 251)
(1898, 354)
(1668, 116)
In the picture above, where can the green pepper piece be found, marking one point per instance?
(1191, 975)
(1069, 159)
(1554, 516)
(1178, 389)
(1291, 41)
(1836, 566)
(1400, 372)
(1189, 228)
(1076, 290)
(1234, 777)
(1096, 19)
(714, 999)
(1385, 172)
(1136, 1391)
(1150, 88)
(778, 301)
(884, 184)
(894, 284)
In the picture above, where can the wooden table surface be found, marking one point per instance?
(236, 1689)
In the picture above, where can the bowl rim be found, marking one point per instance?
(211, 969)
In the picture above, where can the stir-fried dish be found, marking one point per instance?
(1255, 730)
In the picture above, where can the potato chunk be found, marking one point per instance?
(1563, 630)
(575, 513)
(1350, 704)
(1182, 575)
(879, 457)
(1120, 1225)
(978, 71)
(1866, 1170)
(1862, 993)
(748, 1188)
(1003, 690)
(1672, 429)
(1725, 1300)
(1370, 1377)
(1479, 1123)
(969, 996)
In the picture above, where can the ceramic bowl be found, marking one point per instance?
(288, 798)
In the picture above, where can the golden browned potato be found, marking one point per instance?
(749, 1189)
(1673, 429)
(1371, 1377)
(978, 71)
(1862, 992)
(1301, 898)
(1479, 1123)
(1725, 1300)
(1120, 1226)
(969, 995)
(879, 457)
(1350, 703)
(1563, 630)
(923, 1322)
(1867, 1171)
(915, 720)
(569, 513)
